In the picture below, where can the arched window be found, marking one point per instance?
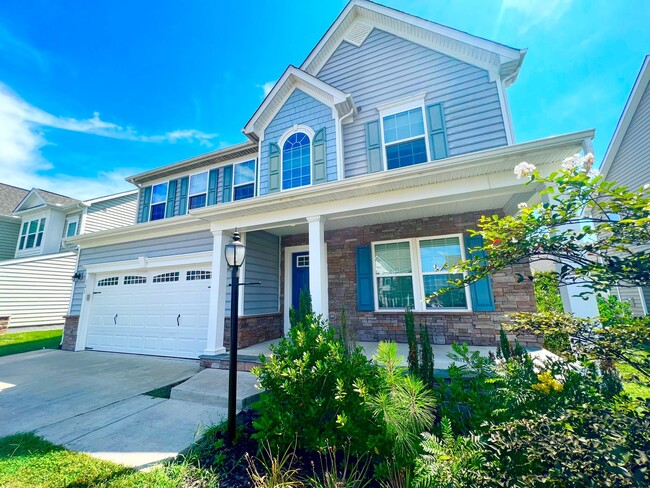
(296, 161)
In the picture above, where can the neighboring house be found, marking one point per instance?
(627, 162)
(36, 275)
(10, 197)
(365, 168)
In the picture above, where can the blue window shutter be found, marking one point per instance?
(227, 184)
(170, 208)
(319, 158)
(145, 201)
(373, 146)
(182, 198)
(481, 290)
(274, 167)
(365, 285)
(213, 180)
(437, 132)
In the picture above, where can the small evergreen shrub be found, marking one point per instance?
(412, 340)
(426, 366)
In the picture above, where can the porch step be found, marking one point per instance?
(210, 387)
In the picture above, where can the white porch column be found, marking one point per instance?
(574, 304)
(318, 266)
(217, 308)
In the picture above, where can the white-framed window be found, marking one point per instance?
(406, 271)
(135, 280)
(112, 281)
(31, 234)
(195, 275)
(198, 193)
(295, 149)
(244, 180)
(167, 277)
(404, 133)
(71, 227)
(158, 201)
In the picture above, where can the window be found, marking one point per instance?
(198, 190)
(135, 280)
(302, 261)
(404, 138)
(71, 227)
(112, 281)
(244, 180)
(31, 234)
(296, 161)
(198, 275)
(167, 277)
(158, 201)
(399, 284)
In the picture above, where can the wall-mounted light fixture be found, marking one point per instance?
(78, 276)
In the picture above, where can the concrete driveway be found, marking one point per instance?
(93, 402)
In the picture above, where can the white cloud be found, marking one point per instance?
(266, 88)
(531, 13)
(21, 139)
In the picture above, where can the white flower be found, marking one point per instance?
(572, 162)
(524, 169)
(646, 186)
(589, 159)
(593, 173)
(522, 205)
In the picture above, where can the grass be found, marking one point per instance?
(29, 461)
(635, 383)
(15, 343)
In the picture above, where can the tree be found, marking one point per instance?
(598, 233)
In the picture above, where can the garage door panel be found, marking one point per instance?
(148, 313)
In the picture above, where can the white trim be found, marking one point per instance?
(644, 305)
(109, 197)
(164, 202)
(417, 275)
(298, 128)
(144, 263)
(242, 272)
(401, 105)
(288, 280)
(70, 220)
(254, 182)
(84, 313)
(640, 85)
(293, 130)
(505, 112)
(189, 188)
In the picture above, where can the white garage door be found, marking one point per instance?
(163, 313)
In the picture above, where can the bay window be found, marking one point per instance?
(408, 271)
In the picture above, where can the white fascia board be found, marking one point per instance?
(109, 197)
(640, 85)
(32, 193)
(144, 263)
(296, 78)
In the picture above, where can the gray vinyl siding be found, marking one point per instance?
(36, 291)
(110, 214)
(386, 68)
(631, 166)
(299, 109)
(9, 232)
(152, 248)
(262, 264)
(645, 291)
(633, 296)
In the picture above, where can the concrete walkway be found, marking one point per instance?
(93, 402)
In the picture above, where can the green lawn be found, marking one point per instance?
(29, 341)
(635, 383)
(28, 461)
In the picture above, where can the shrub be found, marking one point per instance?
(426, 366)
(412, 340)
(315, 390)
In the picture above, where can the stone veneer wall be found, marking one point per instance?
(4, 324)
(254, 329)
(70, 332)
(476, 328)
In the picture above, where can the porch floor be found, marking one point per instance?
(441, 358)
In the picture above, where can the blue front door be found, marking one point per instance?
(299, 276)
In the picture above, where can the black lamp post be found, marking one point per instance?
(235, 253)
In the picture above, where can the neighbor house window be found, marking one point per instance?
(198, 190)
(31, 234)
(71, 227)
(158, 201)
(296, 161)
(244, 180)
(410, 270)
(405, 138)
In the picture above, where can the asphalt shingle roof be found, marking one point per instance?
(10, 197)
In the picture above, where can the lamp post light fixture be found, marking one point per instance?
(235, 252)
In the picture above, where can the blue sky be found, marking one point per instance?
(91, 92)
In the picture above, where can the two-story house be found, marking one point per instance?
(37, 267)
(627, 162)
(364, 169)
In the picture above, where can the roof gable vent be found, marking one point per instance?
(358, 33)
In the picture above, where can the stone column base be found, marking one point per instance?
(70, 328)
(4, 324)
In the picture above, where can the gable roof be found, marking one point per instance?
(291, 79)
(10, 197)
(359, 17)
(47, 198)
(640, 85)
